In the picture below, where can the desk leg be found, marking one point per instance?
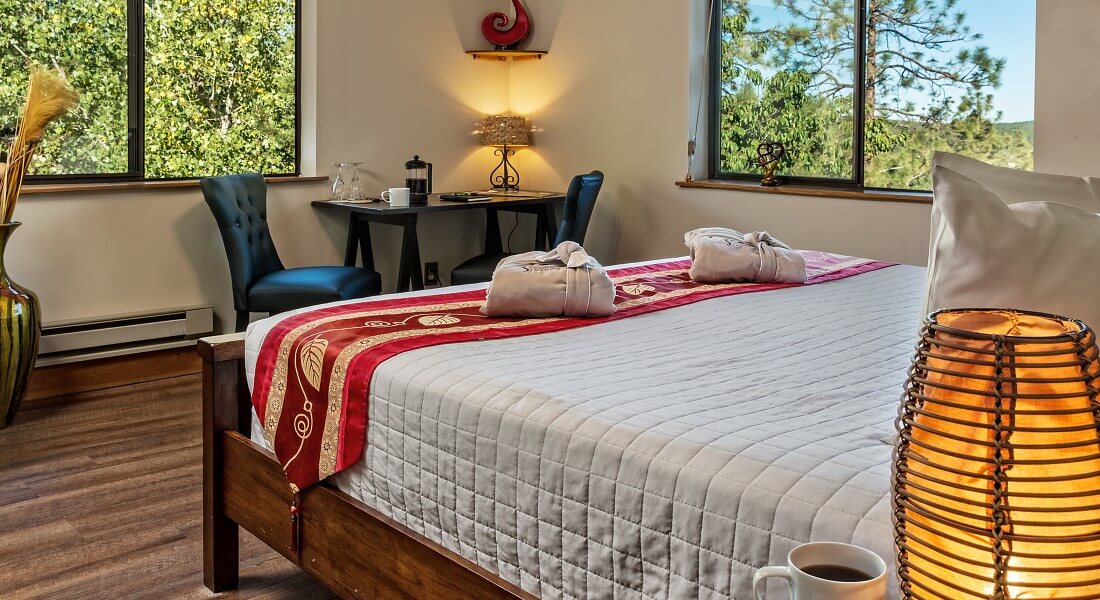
(493, 245)
(551, 225)
(353, 240)
(366, 247)
(359, 239)
(540, 230)
(408, 271)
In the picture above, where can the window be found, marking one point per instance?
(862, 92)
(169, 89)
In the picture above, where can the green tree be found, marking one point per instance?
(219, 87)
(761, 102)
(928, 85)
(87, 41)
(219, 83)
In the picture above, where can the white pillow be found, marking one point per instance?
(1014, 186)
(1042, 255)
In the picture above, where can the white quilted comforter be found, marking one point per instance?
(667, 455)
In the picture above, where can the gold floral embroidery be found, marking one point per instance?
(438, 320)
(311, 359)
(637, 289)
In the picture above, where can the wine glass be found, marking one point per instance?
(339, 183)
(356, 190)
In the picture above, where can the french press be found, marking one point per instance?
(418, 178)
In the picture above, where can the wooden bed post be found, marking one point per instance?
(225, 407)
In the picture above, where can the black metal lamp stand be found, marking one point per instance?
(509, 180)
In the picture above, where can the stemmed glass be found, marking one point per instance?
(356, 190)
(347, 185)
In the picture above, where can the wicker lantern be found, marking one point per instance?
(997, 471)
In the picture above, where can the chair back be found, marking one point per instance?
(580, 201)
(239, 204)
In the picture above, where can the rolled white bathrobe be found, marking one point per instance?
(720, 255)
(565, 281)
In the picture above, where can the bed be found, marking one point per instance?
(669, 454)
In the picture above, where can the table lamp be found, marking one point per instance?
(997, 465)
(505, 132)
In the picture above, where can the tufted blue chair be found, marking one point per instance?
(580, 201)
(260, 281)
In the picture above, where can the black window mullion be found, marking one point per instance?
(297, 87)
(714, 80)
(135, 77)
(859, 93)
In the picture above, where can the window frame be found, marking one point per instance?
(135, 90)
(859, 110)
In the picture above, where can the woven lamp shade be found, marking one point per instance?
(505, 130)
(997, 471)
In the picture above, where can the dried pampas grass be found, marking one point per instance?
(49, 96)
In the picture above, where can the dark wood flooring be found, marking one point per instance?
(101, 497)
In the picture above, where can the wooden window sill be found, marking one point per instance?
(117, 186)
(808, 190)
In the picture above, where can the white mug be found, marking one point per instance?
(814, 557)
(398, 197)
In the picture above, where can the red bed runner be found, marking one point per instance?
(314, 369)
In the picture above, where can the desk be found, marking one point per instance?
(409, 275)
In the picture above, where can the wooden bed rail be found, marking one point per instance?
(350, 548)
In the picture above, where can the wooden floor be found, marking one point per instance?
(100, 497)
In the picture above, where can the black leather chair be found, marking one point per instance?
(260, 281)
(580, 201)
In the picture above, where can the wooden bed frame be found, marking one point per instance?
(350, 548)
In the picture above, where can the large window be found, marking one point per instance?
(862, 92)
(169, 88)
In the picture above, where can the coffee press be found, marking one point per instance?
(418, 178)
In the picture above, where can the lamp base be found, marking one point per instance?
(504, 177)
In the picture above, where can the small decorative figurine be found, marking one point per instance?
(768, 156)
(496, 28)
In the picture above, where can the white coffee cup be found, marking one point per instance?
(814, 557)
(397, 196)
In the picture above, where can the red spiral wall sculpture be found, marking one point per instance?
(497, 30)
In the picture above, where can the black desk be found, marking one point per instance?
(409, 276)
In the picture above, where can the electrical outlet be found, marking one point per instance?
(431, 273)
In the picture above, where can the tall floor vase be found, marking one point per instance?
(20, 330)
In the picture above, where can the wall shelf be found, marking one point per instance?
(503, 55)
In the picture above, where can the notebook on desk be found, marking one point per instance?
(517, 193)
(466, 197)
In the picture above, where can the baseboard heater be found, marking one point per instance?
(75, 341)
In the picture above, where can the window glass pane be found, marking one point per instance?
(956, 76)
(87, 40)
(219, 87)
(787, 75)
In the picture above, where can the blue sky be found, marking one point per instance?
(1008, 30)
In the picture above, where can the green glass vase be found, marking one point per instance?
(20, 330)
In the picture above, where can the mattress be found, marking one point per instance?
(667, 455)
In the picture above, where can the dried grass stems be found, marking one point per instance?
(49, 96)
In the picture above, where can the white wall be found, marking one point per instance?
(391, 80)
(1067, 103)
